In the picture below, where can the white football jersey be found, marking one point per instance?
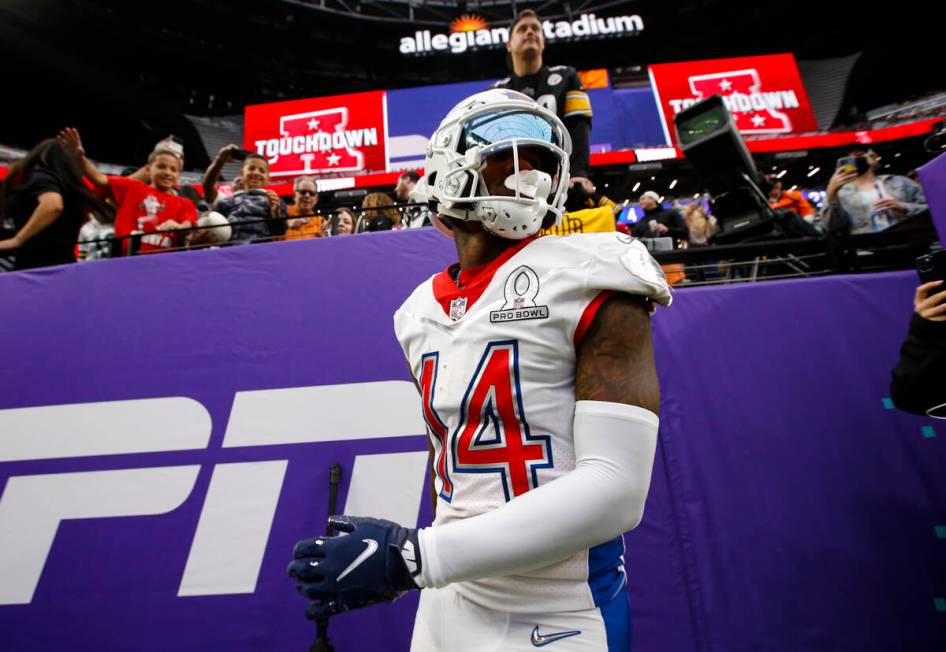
(494, 354)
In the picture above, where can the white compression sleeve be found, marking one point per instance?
(602, 498)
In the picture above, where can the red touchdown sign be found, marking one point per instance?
(765, 94)
(321, 135)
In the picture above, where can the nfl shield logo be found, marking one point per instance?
(518, 303)
(457, 308)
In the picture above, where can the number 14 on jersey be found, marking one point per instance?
(492, 434)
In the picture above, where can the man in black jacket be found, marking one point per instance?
(557, 88)
(919, 379)
(659, 222)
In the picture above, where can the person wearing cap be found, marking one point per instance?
(659, 222)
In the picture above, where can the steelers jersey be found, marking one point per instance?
(494, 352)
(557, 88)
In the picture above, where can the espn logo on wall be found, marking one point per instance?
(320, 135)
(765, 94)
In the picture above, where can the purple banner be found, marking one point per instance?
(167, 424)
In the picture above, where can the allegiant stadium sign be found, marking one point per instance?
(474, 33)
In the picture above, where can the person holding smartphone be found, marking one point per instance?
(256, 213)
(227, 154)
(861, 201)
(917, 385)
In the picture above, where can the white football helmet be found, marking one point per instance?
(482, 125)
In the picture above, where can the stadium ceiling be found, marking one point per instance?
(439, 12)
(129, 78)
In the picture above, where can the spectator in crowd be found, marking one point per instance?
(861, 201)
(415, 216)
(142, 174)
(150, 209)
(781, 199)
(44, 196)
(379, 214)
(256, 214)
(344, 222)
(176, 145)
(303, 220)
(658, 222)
(558, 88)
(917, 384)
(700, 226)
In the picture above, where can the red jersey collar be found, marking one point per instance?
(472, 282)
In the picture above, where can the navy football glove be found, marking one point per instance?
(374, 561)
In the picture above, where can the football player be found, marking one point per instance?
(534, 363)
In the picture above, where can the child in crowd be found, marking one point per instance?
(152, 209)
(255, 213)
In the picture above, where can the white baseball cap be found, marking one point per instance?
(652, 195)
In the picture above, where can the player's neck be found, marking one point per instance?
(523, 67)
(478, 248)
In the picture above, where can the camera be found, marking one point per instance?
(932, 267)
(711, 143)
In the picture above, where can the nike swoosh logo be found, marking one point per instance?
(540, 640)
(409, 557)
(370, 550)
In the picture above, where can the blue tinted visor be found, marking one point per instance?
(503, 126)
(489, 128)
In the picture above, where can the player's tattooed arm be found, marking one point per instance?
(616, 357)
(430, 447)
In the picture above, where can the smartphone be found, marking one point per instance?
(932, 267)
(847, 165)
(853, 164)
(238, 154)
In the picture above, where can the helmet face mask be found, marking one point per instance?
(500, 159)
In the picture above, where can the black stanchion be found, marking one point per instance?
(321, 642)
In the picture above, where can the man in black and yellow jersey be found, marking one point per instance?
(557, 88)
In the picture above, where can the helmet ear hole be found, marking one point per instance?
(467, 188)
